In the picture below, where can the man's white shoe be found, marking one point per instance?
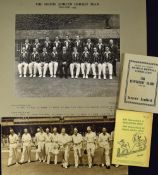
(89, 166)
(72, 76)
(29, 161)
(25, 76)
(94, 77)
(54, 76)
(76, 77)
(110, 77)
(51, 76)
(104, 77)
(30, 75)
(99, 77)
(44, 76)
(34, 75)
(86, 76)
(20, 75)
(64, 165)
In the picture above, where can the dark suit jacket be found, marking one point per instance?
(114, 51)
(64, 57)
(54, 57)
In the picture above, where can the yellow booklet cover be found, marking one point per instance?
(132, 138)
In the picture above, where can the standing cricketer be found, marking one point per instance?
(77, 147)
(13, 153)
(64, 140)
(48, 144)
(41, 145)
(104, 143)
(55, 146)
(26, 145)
(90, 138)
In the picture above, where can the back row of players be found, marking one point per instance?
(50, 144)
(64, 55)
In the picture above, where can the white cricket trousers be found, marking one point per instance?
(109, 66)
(90, 153)
(43, 66)
(105, 151)
(13, 154)
(85, 68)
(48, 146)
(53, 66)
(22, 68)
(95, 66)
(55, 151)
(77, 66)
(26, 152)
(77, 154)
(65, 151)
(33, 66)
(41, 151)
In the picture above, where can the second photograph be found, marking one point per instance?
(64, 145)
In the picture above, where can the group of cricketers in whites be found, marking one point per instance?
(50, 144)
(68, 56)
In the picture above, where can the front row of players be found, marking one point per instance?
(50, 144)
(42, 62)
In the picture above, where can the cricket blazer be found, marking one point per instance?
(100, 47)
(75, 58)
(35, 57)
(45, 57)
(23, 57)
(54, 57)
(78, 45)
(96, 57)
(86, 57)
(48, 45)
(58, 45)
(107, 57)
(28, 47)
(89, 46)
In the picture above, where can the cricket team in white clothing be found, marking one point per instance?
(61, 57)
(50, 144)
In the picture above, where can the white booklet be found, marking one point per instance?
(139, 83)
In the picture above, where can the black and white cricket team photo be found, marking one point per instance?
(58, 145)
(67, 55)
